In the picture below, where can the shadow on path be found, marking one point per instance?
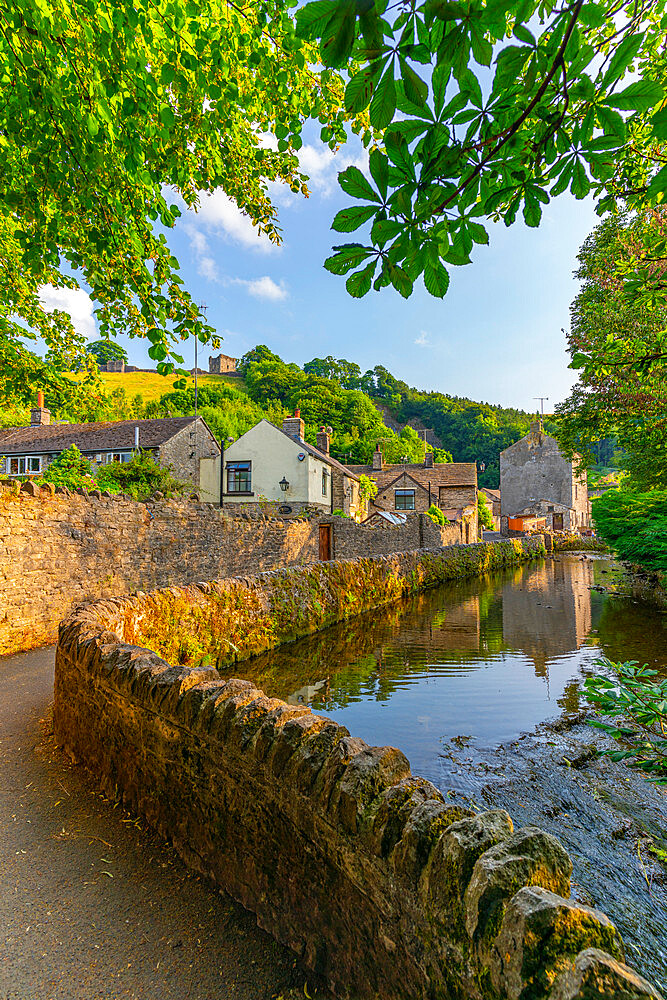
(93, 906)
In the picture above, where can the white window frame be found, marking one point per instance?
(117, 456)
(22, 462)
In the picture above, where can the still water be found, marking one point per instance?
(476, 662)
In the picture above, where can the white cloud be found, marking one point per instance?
(74, 301)
(221, 214)
(422, 340)
(208, 268)
(263, 288)
(323, 167)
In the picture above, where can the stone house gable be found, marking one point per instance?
(452, 485)
(533, 470)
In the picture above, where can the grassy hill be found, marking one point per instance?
(150, 386)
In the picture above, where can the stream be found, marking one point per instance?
(479, 682)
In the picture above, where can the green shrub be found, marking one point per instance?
(631, 694)
(484, 514)
(70, 469)
(634, 524)
(436, 514)
(140, 478)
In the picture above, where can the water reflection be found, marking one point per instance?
(484, 659)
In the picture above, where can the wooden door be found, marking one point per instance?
(557, 522)
(325, 542)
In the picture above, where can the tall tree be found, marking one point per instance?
(464, 142)
(619, 346)
(107, 350)
(114, 113)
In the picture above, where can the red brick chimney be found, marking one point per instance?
(294, 426)
(39, 415)
(378, 459)
(324, 439)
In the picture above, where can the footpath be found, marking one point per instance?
(93, 906)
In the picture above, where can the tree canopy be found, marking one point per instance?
(488, 109)
(107, 350)
(114, 114)
(619, 346)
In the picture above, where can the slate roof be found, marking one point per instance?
(493, 494)
(319, 454)
(111, 435)
(441, 474)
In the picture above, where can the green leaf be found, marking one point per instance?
(532, 213)
(639, 96)
(523, 34)
(416, 90)
(478, 233)
(580, 183)
(349, 219)
(659, 123)
(658, 183)
(399, 279)
(612, 123)
(379, 168)
(312, 20)
(398, 152)
(338, 36)
(436, 279)
(359, 90)
(355, 184)
(359, 283)
(383, 104)
(350, 255)
(622, 58)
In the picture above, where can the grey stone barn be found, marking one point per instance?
(538, 483)
(184, 443)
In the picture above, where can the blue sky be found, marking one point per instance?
(496, 336)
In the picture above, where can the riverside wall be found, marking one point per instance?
(60, 548)
(373, 879)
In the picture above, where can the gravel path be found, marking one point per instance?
(93, 906)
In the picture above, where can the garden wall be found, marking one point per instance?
(59, 549)
(364, 870)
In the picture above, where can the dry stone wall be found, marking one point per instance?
(372, 878)
(60, 549)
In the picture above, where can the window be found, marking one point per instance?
(404, 499)
(239, 478)
(23, 465)
(325, 473)
(117, 456)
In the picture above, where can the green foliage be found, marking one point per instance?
(115, 115)
(461, 143)
(436, 514)
(633, 695)
(70, 469)
(140, 478)
(619, 347)
(107, 350)
(634, 524)
(368, 489)
(484, 514)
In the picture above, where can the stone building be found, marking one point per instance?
(493, 503)
(270, 463)
(222, 365)
(537, 482)
(186, 444)
(452, 486)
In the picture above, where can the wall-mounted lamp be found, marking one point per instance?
(284, 485)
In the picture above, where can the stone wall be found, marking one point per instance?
(366, 871)
(59, 550)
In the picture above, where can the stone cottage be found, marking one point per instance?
(413, 487)
(184, 443)
(537, 483)
(276, 464)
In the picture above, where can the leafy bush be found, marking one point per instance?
(484, 514)
(436, 514)
(368, 488)
(140, 478)
(70, 469)
(634, 524)
(640, 702)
